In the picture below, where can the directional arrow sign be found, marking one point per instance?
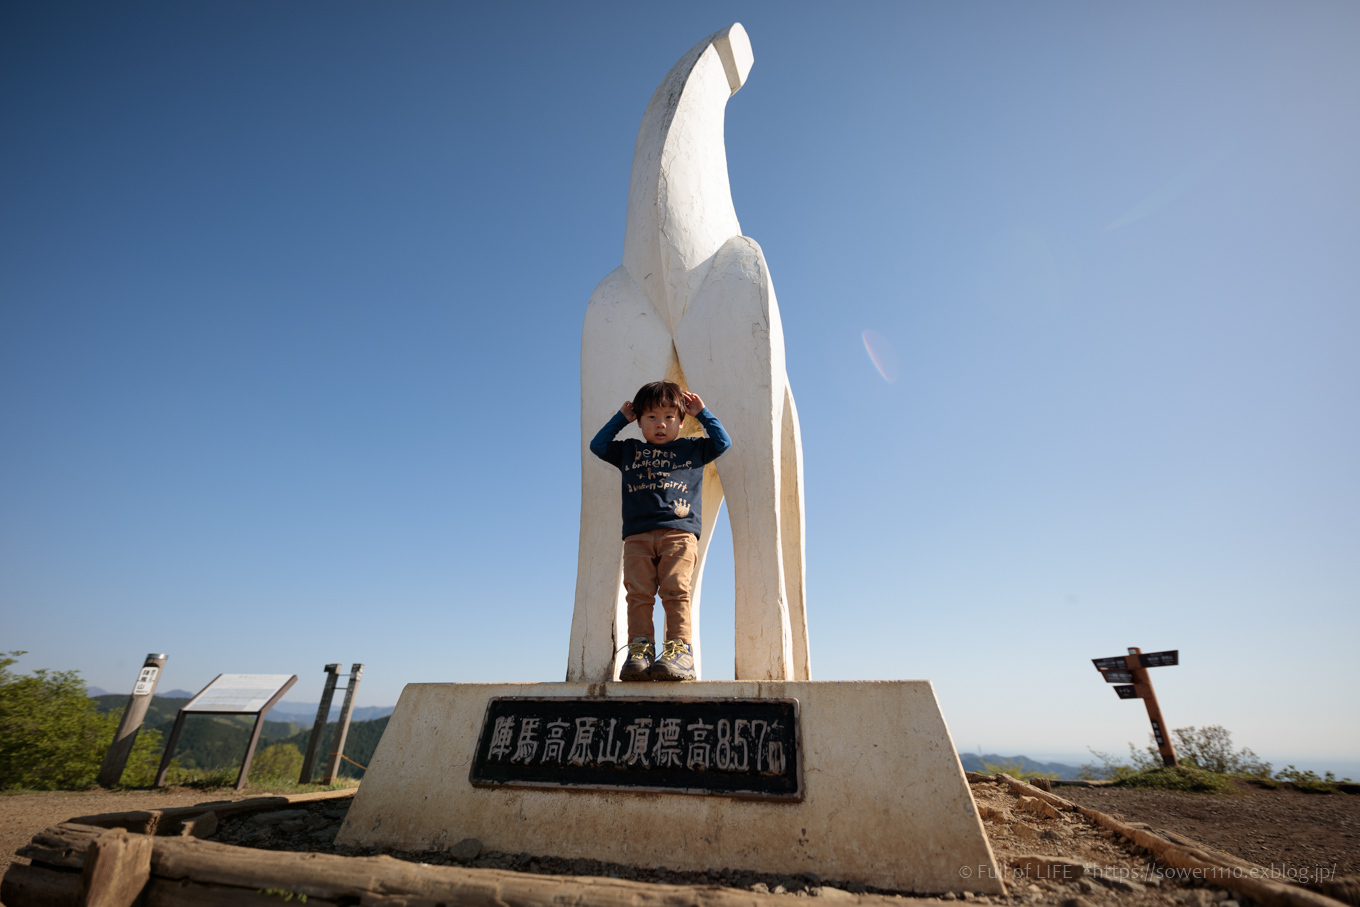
(1106, 664)
(1126, 692)
(1161, 659)
(1117, 676)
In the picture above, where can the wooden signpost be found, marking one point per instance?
(323, 712)
(1130, 672)
(115, 760)
(231, 694)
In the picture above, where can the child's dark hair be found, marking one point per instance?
(659, 394)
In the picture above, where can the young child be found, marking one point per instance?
(663, 477)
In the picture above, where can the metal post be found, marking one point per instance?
(1142, 683)
(115, 760)
(342, 728)
(244, 774)
(323, 713)
(169, 750)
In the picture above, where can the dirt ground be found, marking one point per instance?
(1281, 827)
(1284, 827)
(24, 815)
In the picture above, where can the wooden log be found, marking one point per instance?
(201, 826)
(1029, 790)
(36, 886)
(373, 879)
(187, 870)
(167, 821)
(117, 868)
(61, 845)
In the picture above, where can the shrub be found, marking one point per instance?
(1178, 777)
(280, 762)
(1211, 748)
(1111, 770)
(1200, 751)
(52, 736)
(1307, 781)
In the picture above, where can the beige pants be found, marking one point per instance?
(660, 560)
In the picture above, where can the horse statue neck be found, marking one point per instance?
(679, 201)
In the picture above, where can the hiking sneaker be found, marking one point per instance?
(640, 655)
(676, 662)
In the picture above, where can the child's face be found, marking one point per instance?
(661, 425)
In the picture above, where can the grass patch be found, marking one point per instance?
(1180, 778)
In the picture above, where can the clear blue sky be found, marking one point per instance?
(290, 310)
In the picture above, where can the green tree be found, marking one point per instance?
(52, 736)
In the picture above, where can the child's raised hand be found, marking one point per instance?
(693, 405)
(627, 410)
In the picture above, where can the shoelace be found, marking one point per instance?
(673, 648)
(637, 648)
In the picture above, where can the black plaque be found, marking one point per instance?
(1106, 664)
(1161, 659)
(1117, 676)
(722, 747)
(1126, 692)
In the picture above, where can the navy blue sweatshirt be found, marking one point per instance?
(663, 484)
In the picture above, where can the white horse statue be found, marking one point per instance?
(693, 303)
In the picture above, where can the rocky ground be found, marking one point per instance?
(24, 815)
(1285, 827)
(1282, 827)
(1116, 872)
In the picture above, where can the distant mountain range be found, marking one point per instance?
(306, 712)
(973, 762)
(295, 712)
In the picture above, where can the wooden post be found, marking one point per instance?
(117, 868)
(115, 760)
(323, 714)
(1142, 683)
(342, 727)
(255, 732)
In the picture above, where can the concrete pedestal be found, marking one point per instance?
(886, 802)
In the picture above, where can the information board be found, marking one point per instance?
(1126, 692)
(230, 694)
(724, 747)
(1117, 676)
(146, 681)
(238, 693)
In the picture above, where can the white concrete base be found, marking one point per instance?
(886, 801)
